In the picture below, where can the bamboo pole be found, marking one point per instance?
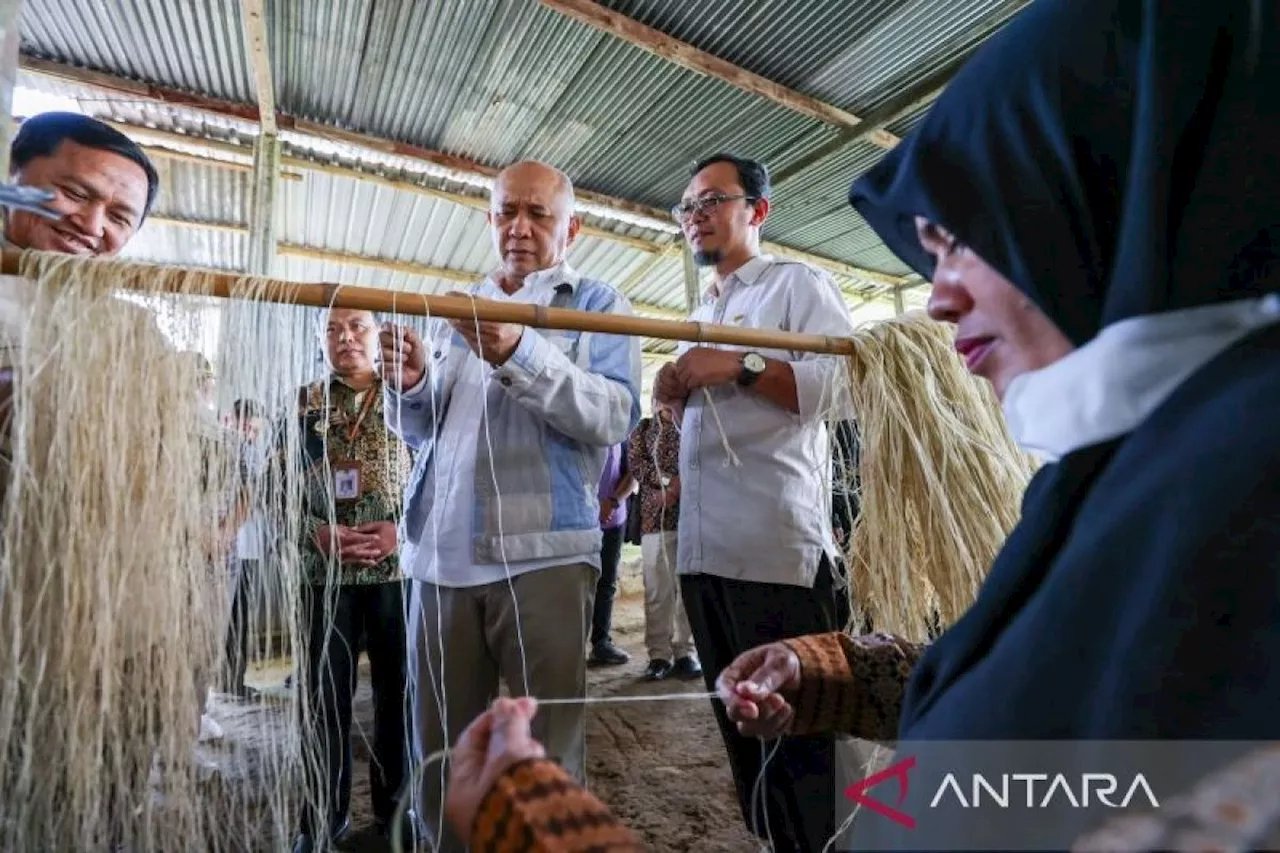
(319, 295)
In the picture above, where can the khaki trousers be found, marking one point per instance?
(462, 640)
(666, 625)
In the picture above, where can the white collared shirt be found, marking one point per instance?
(768, 519)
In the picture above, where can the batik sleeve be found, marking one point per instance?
(852, 685)
(536, 807)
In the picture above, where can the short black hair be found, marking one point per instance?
(41, 135)
(752, 174)
(247, 408)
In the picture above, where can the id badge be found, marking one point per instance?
(346, 481)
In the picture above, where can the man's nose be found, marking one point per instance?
(90, 219)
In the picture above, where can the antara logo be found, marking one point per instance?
(898, 770)
(1059, 788)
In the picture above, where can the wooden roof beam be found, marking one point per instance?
(700, 61)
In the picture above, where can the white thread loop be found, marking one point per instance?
(731, 458)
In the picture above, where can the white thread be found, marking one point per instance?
(497, 494)
(759, 795)
(731, 458)
(877, 749)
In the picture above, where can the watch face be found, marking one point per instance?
(753, 362)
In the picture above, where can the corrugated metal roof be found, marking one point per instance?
(196, 45)
(496, 80)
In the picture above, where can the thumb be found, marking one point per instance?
(773, 672)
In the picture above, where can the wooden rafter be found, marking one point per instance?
(695, 59)
(255, 45)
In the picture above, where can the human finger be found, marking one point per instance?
(778, 669)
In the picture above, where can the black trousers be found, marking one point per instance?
(237, 644)
(729, 617)
(337, 621)
(607, 586)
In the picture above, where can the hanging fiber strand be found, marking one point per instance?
(939, 479)
(122, 495)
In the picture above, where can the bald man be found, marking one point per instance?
(502, 522)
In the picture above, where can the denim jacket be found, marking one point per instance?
(555, 407)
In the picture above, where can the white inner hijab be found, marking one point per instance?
(1109, 386)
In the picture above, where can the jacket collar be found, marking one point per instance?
(555, 277)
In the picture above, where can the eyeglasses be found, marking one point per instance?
(686, 210)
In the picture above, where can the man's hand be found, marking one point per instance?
(404, 357)
(669, 388)
(671, 493)
(756, 689)
(356, 546)
(493, 342)
(704, 367)
(384, 538)
(607, 507)
(497, 739)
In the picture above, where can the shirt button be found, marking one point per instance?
(505, 381)
(415, 406)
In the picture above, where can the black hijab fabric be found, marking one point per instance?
(1118, 158)
(1111, 158)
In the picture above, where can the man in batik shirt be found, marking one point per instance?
(353, 589)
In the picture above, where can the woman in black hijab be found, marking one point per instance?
(1096, 198)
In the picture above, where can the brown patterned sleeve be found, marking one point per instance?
(669, 451)
(535, 807)
(852, 685)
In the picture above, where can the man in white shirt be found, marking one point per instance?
(501, 532)
(756, 549)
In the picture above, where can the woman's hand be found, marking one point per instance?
(757, 688)
(497, 739)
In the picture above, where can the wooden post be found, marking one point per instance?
(692, 291)
(262, 211)
(10, 35)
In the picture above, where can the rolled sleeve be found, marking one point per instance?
(822, 381)
(820, 390)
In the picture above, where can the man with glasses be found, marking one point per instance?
(755, 448)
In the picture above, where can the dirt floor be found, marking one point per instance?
(660, 766)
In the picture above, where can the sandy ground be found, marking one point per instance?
(660, 766)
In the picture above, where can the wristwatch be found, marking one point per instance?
(753, 364)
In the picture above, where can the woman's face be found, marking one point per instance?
(1000, 333)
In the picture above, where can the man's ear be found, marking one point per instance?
(575, 226)
(759, 211)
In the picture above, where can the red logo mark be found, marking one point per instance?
(897, 770)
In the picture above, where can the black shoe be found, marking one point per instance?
(658, 670)
(687, 668)
(607, 654)
(303, 843)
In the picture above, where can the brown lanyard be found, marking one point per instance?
(365, 408)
